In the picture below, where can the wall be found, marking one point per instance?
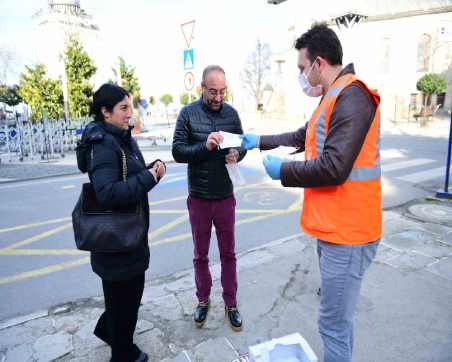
(385, 55)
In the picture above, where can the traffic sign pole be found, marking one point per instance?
(189, 57)
(446, 194)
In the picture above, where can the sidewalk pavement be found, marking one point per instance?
(404, 313)
(438, 127)
(64, 166)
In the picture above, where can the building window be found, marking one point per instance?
(423, 53)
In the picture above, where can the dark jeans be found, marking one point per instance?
(117, 324)
(221, 213)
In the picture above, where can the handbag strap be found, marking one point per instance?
(124, 165)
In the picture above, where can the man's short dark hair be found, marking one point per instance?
(321, 41)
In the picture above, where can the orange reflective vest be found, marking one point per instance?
(349, 213)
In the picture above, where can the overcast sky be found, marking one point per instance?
(148, 34)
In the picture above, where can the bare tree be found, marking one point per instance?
(6, 64)
(257, 71)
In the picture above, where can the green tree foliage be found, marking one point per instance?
(129, 81)
(184, 98)
(79, 70)
(166, 99)
(41, 93)
(152, 100)
(227, 95)
(429, 84)
(432, 83)
(10, 95)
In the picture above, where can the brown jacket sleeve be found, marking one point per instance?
(291, 139)
(349, 124)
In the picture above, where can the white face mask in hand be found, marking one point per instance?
(308, 89)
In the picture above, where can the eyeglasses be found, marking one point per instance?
(215, 92)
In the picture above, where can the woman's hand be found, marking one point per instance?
(232, 156)
(159, 169)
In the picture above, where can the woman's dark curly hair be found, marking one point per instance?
(321, 41)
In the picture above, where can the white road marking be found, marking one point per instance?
(405, 164)
(421, 176)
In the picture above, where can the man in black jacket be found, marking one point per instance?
(211, 195)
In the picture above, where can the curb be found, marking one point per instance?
(169, 162)
(68, 307)
(39, 178)
(23, 319)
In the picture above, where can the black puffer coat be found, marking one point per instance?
(207, 174)
(99, 154)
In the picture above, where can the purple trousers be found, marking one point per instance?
(203, 214)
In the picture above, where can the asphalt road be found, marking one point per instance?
(40, 266)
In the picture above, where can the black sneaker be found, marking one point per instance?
(142, 357)
(200, 314)
(235, 320)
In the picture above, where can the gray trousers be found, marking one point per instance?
(342, 268)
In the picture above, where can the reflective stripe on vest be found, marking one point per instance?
(320, 132)
(365, 173)
(357, 173)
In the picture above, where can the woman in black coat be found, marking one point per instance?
(122, 273)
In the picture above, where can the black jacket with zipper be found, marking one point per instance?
(99, 154)
(207, 174)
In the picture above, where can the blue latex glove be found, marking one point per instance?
(249, 140)
(272, 165)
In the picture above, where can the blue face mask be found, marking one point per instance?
(308, 89)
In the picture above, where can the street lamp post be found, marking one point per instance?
(118, 72)
(65, 93)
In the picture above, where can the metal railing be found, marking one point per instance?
(45, 140)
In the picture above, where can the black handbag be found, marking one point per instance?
(102, 230)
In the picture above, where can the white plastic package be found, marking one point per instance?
(290, 348)
(234, 174)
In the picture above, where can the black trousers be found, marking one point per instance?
(117, 324)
